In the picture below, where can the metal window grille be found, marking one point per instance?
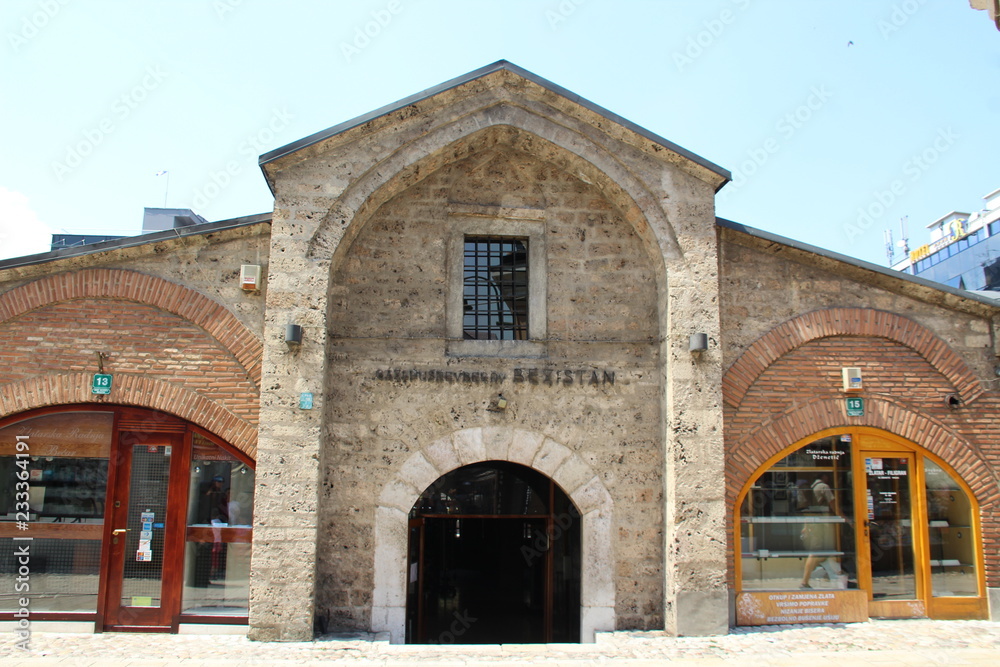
(495, 292)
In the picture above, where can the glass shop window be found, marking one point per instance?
(796, 521)
(952, 539)
(53, 483)
(219, 532)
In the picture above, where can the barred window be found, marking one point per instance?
(495, 288)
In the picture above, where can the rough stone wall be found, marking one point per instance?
(799, 391)
(387, 311)
(325, 194)
(761, 290)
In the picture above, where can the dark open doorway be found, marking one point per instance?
(494, 558)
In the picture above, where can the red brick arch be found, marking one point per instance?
(132, 389)
(748, 455)
(182, 301)
(787, 336)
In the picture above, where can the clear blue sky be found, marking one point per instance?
(820, 108)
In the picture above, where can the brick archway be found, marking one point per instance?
(182, 301)
(747, 456)
(787, 336)
(236, 343)
(137, 390)
(424, 467)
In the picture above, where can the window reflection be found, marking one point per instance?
(494, 487)
(64, 458)
(952, 542)
(220, 516)
(796, 521)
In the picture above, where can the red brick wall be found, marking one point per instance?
(787, 386)
(169, 348)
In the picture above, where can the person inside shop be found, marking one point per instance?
(820, 538)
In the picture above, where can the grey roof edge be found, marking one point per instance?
(133, 241)
(499, 65)
(859, 263)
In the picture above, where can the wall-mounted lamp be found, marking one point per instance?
(293, 335)
(698, 343)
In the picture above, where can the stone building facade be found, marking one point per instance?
(500, 288)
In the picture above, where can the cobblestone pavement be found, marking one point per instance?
(916, 642)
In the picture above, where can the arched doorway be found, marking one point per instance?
(860, 509)
(494, 557)
(127, 518)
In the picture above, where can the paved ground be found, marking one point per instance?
(874, 643)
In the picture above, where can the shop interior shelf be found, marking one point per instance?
(791, 554)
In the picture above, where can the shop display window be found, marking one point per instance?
(220, 516)
(53, 485)
(797, 521)
(64, 575)
(952, 538)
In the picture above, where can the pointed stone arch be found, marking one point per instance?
(475, 445)
(544, 133)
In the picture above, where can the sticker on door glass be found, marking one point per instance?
(147, 516)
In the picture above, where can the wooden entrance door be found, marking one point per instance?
(144, 533)
(889, 539)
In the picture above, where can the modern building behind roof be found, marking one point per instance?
(493, 372)
(61, 241)
(159, 219)
(153, 220)
(963, 251)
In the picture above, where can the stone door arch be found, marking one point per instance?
(422, 468)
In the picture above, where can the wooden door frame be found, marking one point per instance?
(909, 608)
(164, 618)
